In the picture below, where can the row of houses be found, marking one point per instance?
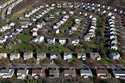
(101, 9)
(55, 40)
(27, 15)
(51, 71)
(51, 56)
(9, 11)
(10, 35)
(91, 32)
(89, 7)
(6, 4)
(54, 71)
(7, 27)
(67, 5)
(40, 14)
(75, 26)
(35, 10)
(113, 37)
(61, 22)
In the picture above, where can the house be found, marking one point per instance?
(82, 56)
(118, 72)
(74, 28)
(95, 56)
(53, 56)
(14, 56)
(77, 21)
(51, 41)
(28, 55)
(71, 12)
(75, 42)
(22, 73)
(90, 16)
(34, 34)
(69, 72)
(112, 29)
(110, 14)
(55, 27)
(104, 12)
(2, 40)
(92, 30)
(39, 26)
(114, 47)
(114, 55)
(6, 73)
(53, 71)
(86, 14)
(39, 39)
(62, 41)
(41, 56)
(53, 5)
(87, 37)
(68, 56)
(38, 73)
(114, 42)
(57, 31)
(113, 37)
(113, 33)
(94, 19)
(3, 55)
(108, 8)
(64, 12)
(85, 72)
(90, 34)
(102, 72)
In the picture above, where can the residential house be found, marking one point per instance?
(6, 73)
(62, 41)
(51, 40)
(68, 56)
(75, 42)
(85, 72)
(41, 56)
(114, 55)
(38, 73)
(22, 73)
(3, 40)
(82, 56)
(3, 55)
(114, 47)
(53, 56)
(14, 56)
(28, 55)
(118, 72)
(39, 39)
(69, 72)
(87, 37)
(102, 72)
(53, 71)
